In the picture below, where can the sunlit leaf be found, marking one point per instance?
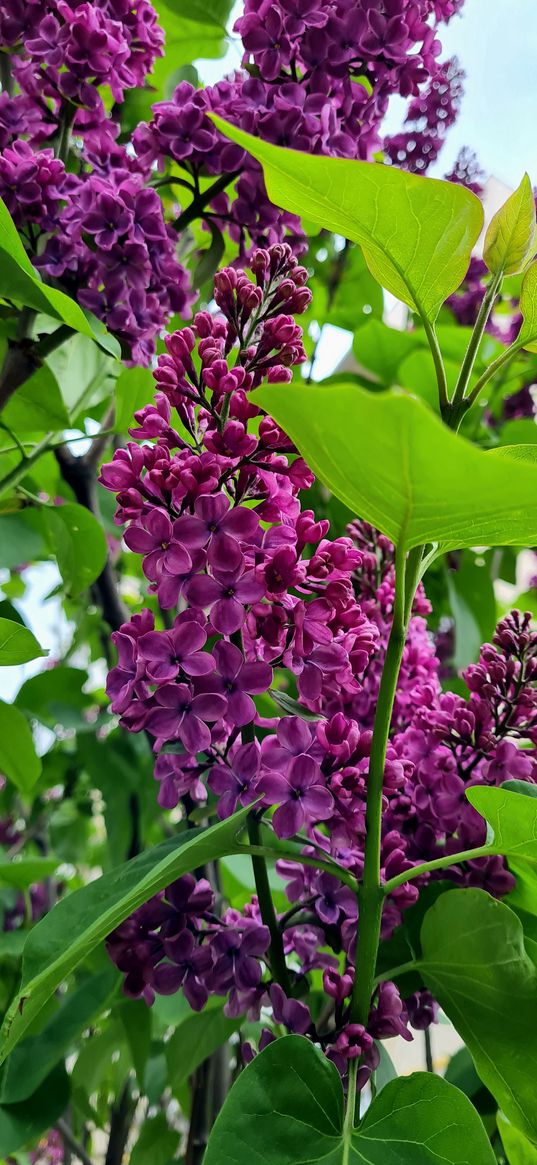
(417, 233)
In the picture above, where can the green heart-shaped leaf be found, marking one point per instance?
(286, 1108)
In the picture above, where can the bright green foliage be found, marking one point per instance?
(287, 1107)
(518, 1149)
(18, 758)
(21, 283)
(21, 872)
(510, 239)
(416, 479)
(475, 963)
(417, 233)
(80, 921)
(17, 644)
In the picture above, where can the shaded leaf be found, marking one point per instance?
(18, 758)
(21, 1124)
(37, 405)
(34, 1058)
(196, 1038)
(475, 963)
(79, 545)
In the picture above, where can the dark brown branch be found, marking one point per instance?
(24, 357)
(120, 1126)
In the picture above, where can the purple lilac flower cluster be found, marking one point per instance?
(210, 492)
(108, 242)
(318, 78)
(430, 115)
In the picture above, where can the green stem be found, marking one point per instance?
(473, 348)
(394, 972)
(443, 398)
(265, 851)
(12, 479)
(491, 371)
(348, 1123)
(266, 907)
(370, 897)
(443, 863)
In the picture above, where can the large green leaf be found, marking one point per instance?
(18, 758)
(35, 1057)
(79, 544)
(81, 920)
(417, 233)
(134, 389)
(286, 1108)
(17, 644)
(475, 963)
(392, 462)
(21, 283)
(21, 1124)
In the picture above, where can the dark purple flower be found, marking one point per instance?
(189, 966)
(294, 1015)
(167, 653)
(236, 958)
(301, 795)
(236, 782)
(225, 596)
(179, 714)
(220, 530)
(237, 681)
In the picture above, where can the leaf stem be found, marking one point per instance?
(350, 1108)
(370, 895)
(491, 371)
(467, 365)
(443, 398)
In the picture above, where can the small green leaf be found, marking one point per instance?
(417, 233)
(79, 544)
(292, 707)
(518, 1150)
(510, 239)
(17, 644)
(196, 1038)
(287, 1107)
(417, 481)
(210, 257)
(134, 389)
(18, 758)
(475, 963)
(80, 921)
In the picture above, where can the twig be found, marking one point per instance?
(71, 1141)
